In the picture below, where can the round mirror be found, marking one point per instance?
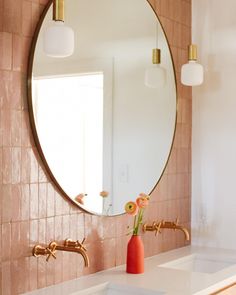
(102, 120)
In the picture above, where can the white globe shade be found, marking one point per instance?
(59, 40)
(192, 74)
(155, 76)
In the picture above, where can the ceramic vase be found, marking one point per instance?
(135, 255)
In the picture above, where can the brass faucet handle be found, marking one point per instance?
(51, 250)
(157, 227)
(81, 245)
(39, 251)
(75, 244)
(177, 221)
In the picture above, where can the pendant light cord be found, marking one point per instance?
(157, 35)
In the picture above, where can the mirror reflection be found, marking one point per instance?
(104, 135)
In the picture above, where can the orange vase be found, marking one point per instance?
(135, 256)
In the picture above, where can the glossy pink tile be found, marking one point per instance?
(50, 200)
(33, 232)
(12, 16)
(33, 273)
(42, 232)
(17, 52)
(42, 200)
(50, 272)
(16, 96)
(15, 236)
(16, 165)
(6, 127)
(34, 201)
(16, 202)
(6, 242)
(20, 273)
(5, 51)
(50, 230)
(26, 18)
(25, 202)
(24, 239)
(58, 204)
(1, 27)
(34, 172)
(7, 279)
(6, 165)
(6, 203)
(121, 249)
(42, 273)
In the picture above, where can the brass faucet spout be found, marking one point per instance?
(76, 250)
(157, 226)
(185, 231)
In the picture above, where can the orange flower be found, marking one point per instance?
(143, 200)
(131, 208)
(104, 194)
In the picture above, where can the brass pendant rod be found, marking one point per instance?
(156, 56)
(58, 10)
(192, 52)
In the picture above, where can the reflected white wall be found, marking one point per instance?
(214, 125)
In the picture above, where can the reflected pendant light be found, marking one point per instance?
(58, 38)
(155, 76)
(192, 73)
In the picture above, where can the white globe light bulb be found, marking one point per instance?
(192, 73)
(155, 76)
(59, 40)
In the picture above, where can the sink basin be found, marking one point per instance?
(113, 289)
(199, 263)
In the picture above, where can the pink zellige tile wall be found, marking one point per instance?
(32, 210)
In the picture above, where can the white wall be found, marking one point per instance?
(214, 125)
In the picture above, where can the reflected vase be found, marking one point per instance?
(135, 255)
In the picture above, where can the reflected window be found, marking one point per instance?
(73, 101)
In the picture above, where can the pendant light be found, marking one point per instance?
(192, 73)
(155, 76)
(58, 38)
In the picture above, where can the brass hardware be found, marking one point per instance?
(70, 243)
(192, 52)
(38, 251)
(58, 10)
(69, 246)
(157, 226)
(156, 56)
(50, 251)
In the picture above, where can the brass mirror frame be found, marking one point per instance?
(33, 123)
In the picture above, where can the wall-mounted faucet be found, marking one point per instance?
(69, 246)
(157, 226)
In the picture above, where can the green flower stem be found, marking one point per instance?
(138, 221)
(134, 224)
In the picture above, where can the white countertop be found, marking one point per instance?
(159, 278)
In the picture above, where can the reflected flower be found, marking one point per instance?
(104, 194)
(79, 198)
